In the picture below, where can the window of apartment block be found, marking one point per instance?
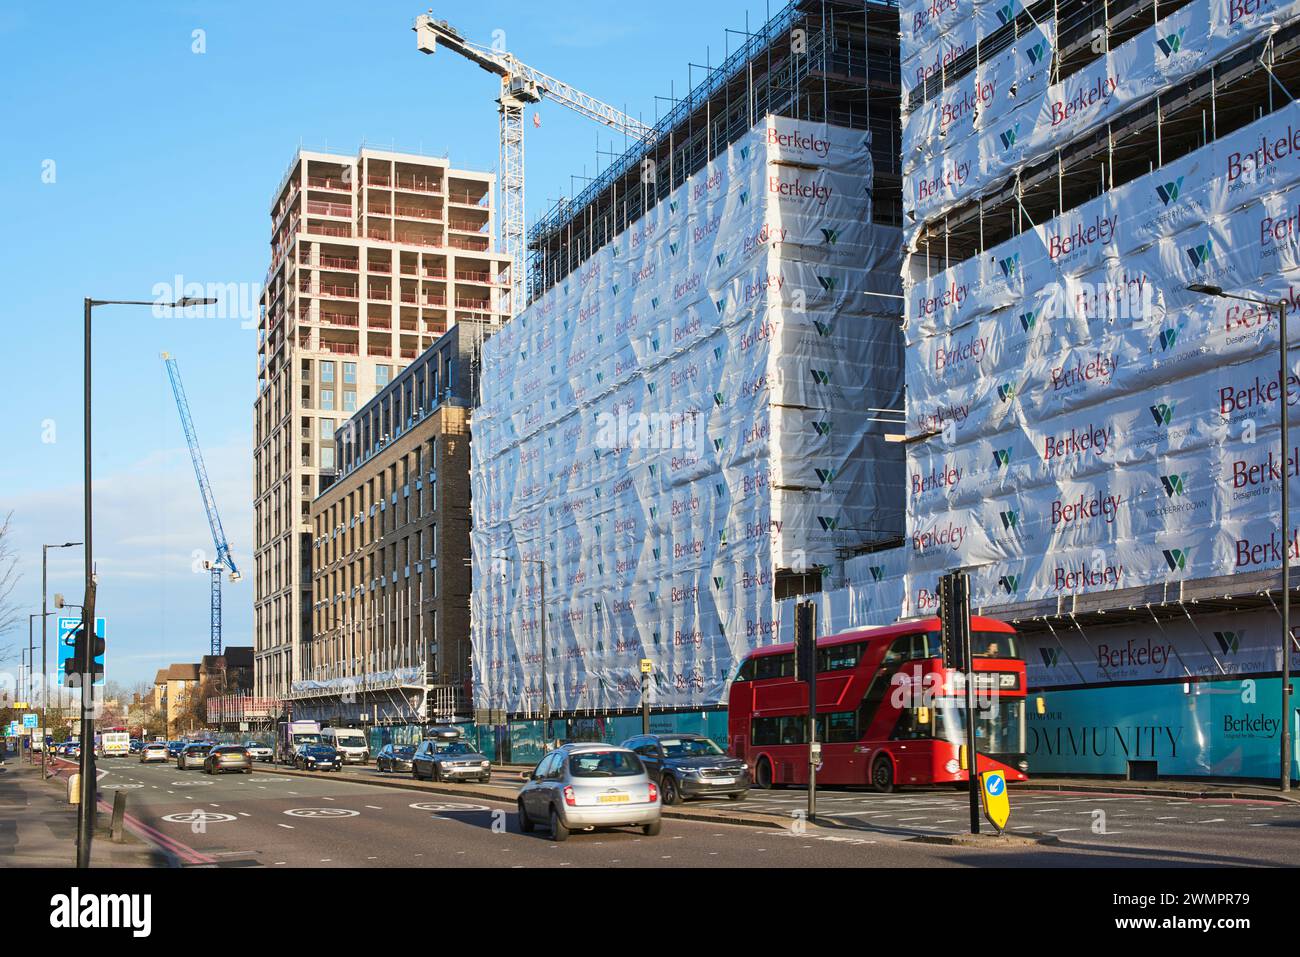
(349, 373)
(349, 400)
(327, 400)
(383, 374)
(327, 429)
(327, 372)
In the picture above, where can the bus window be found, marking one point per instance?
(993, 644)
(840, 657)
(774, 666)
(837, 727)
(787, 730)
(746, 672)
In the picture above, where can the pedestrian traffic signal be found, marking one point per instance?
(73, 665)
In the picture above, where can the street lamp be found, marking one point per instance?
(86, 811)
(45, 616)
(546, 708)
(1281, 306)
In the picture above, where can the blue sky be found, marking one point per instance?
(131, 159)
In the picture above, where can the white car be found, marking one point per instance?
(260, 752)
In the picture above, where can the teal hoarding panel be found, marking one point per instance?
(1219, 729)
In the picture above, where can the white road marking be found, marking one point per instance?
(289, 826)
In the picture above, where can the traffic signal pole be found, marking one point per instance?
(86, 811)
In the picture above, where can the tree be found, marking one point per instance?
(9, 613)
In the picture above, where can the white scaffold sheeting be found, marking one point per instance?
(1095, 425)
(688, 411)
(1004, 116)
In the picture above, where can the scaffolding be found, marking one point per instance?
(833, 61)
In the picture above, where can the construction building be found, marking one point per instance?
(373, 258)
(389, 642)
(1093, 420)
(693, 415)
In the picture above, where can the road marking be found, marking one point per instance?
(1213, 820)
(1062, 830)
(199, 817)
(244, 814)
(322, 812)
(289, 826)
(443, 807)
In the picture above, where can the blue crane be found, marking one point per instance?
(223, 561)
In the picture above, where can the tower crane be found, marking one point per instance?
(520, 85)
(223, 560)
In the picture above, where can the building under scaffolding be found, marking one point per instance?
(1093, 433)
(844, 72)
(692, 416)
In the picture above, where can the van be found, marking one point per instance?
(350, 743)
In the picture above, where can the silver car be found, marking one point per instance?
(192, 756)
(586, 786)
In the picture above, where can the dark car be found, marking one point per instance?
(317, 757)
(690, 765)
(134, 746)
(228, 757)
(443, 759)
(174, 748)
(395, 757)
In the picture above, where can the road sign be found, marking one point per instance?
(68, 625)
(997, 807)
(20, 705)
(13, 729)
(647, 666)
(29, 720)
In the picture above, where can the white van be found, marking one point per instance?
(350, 743)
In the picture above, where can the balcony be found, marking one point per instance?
(466, 198)
(373, 180)
(379, 292)
(329, 229)
(467, 225)
(463, 275)
(336, 262)
(434, 299)
(432, 272)
(469, 243)
(379, 322)
(340, 348)
(336, 183)
(416, 212)
(320, 208)
(339, 319)
(419, 184)
(328, 289)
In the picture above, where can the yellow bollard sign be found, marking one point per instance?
(997, 807)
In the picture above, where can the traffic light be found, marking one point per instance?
(954, 618)
(72, 666)
(805, 641)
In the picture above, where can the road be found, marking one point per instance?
(329, 820)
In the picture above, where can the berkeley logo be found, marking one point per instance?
(1009, 136)
(673, 248)
(1006, 13)
(1168, 338)
(1229, 641)
(719, 398)
(828, 282)
(1039, 52)
(1176, 558)
(721, 258)
(1201, 254)
(1163, 413)
(1168, 192)
(1009, 584)
(1006, 392)
(877, 572)
(1171, 44)
(820, 377)
(828, 524)
(1010, 519)
(1009, 266)
(823, 428)
(826, 475)
(1028, 320)
(823, 328)
(744, 198)
(831, 235)
(1174, 485)
(721, 306)
(1051, 656)
(1001, 458)
(719, 583)
(718, 444)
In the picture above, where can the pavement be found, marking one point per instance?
(38, 828)
(277, 817)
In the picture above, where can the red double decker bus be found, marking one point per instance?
(888, 712)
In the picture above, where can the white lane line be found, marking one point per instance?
(374, 808)
(1062, 830)
(246, 814)
(289, 826)
(1213, 820)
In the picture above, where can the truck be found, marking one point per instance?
(114, 744)
(290, 734)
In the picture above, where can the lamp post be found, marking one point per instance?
(45, 615)
(1281, 306)
(546, 708)
(86, 810)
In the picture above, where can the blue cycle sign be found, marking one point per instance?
(68, 626)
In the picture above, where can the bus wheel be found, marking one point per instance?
(763, 775)
(882, 775)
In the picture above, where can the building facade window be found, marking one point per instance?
(327, 399)
(349, 373)
(327, 372)
(382, 376)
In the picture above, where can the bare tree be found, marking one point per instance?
(9, 613)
